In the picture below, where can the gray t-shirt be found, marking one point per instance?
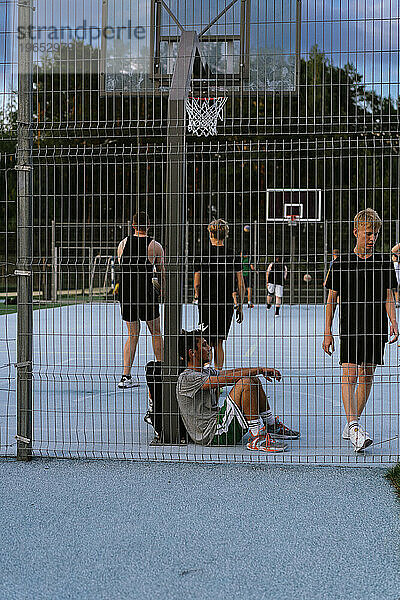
(199, 408)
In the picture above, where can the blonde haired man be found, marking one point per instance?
(217, 276)
(363, 280)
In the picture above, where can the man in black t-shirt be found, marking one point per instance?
(218, 274)
(363, 280)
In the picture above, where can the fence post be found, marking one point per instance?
(24, 239)
(173, 304)
(54, 263)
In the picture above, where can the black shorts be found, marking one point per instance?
(139, 312)
(248, 280)
(217, 318)
(362, 349)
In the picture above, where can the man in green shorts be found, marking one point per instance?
(245, 408)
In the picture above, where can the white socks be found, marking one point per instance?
(267, 417)
(254, 426)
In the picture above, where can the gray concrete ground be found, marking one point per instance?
(126, 530)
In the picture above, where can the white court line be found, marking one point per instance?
(251, 351)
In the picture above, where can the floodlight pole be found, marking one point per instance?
(24, 238)
(175, 219)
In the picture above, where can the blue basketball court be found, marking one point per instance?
(79, 410)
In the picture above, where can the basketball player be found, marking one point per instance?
(140, 257)
(363, 280)
(216, 276)
(276, 276)
(396, 264)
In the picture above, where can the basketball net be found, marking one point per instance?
(292, 220)
(203, 115)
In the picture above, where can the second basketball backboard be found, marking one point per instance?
(305, 205)
(247, 45)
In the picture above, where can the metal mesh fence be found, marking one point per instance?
(309, 137)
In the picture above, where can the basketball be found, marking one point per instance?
(247, 228)
(307, 278)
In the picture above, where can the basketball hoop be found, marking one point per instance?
(203, 115)
(292, 220)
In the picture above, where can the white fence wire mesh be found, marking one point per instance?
(322, 151)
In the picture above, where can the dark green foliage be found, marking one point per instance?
(393, 475)
(98, 158)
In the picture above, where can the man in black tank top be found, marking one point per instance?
(140, 259)
(276, 277)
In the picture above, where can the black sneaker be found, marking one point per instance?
(269, 306)
(280, 431)
(127, 382)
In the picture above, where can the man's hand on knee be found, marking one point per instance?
(271, 374)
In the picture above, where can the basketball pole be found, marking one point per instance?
(175, 219)
(24, 240)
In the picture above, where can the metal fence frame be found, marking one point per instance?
(363, 137)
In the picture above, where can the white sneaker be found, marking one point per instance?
(359, 438)
(345, 433)
(128, 382)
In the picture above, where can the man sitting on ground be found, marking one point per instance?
(245, 408)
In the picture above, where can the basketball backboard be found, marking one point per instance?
(248, 45)
(305, 205)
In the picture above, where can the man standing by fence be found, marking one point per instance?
(140, 292)
(363, 280)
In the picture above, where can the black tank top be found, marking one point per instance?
(136, 271)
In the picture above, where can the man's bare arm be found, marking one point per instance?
(328, 343)
(155, 254)
(197, 278)
(163, 279)
(391, 312)
(268, 272)
(232, 376)
(121, 248)
(396, 249)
